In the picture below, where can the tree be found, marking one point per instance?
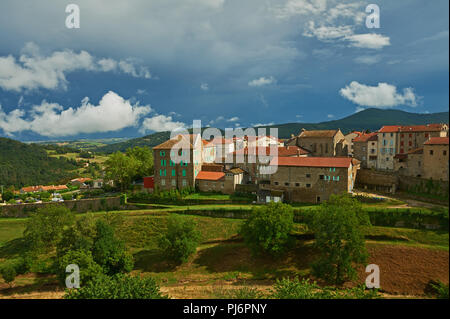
(268, 229)
(45, 227)
(338, 235)
(144, 158)
(121, 169)
(8, 273)
(117, 287)
(89, 269)
(109, 252)
(181, 239)
(7, 196)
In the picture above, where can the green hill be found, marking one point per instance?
(28, 164)
(370, 119)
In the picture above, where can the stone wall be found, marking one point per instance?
(377, 180)
(79, 206)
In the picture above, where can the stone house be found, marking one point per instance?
(310, 179)
(217, 179)
(172, 175)
(349, 139)
(435, 158)
(322, 143)
(409, 164)
(365, 149)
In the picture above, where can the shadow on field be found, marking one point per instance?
(152, 260)
(35, 283)
(14, 247)
(236, 257)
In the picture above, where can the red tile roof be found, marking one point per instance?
(389, 129)
(365, 137)
(423, 128)
(412, 128)
(312, 161)
(437, 141)
(210, 176)
(283, 151)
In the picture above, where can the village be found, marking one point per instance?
(310, 166)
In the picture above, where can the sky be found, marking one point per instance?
(142, 66)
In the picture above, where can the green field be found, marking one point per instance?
(222, 261)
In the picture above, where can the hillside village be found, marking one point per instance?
(311, 165)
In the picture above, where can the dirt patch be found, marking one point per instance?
(407, 270)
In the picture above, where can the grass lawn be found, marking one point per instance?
(208, 196)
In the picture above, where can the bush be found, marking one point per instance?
(337, 228)
(117, 287)
(45, 227)
(8, 273)
(88, 268)
(304, 289)
(268, 228)
(180, 240)
(109, 252)
(441, 290)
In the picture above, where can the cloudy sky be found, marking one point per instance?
(139, 66)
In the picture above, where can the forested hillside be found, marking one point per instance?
(28, 164)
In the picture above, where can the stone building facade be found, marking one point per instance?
(311, 179)
(435, 159)
(321, 142)
(365, 149)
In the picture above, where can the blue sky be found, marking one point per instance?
(136, 67)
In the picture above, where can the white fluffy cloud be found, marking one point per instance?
(368, 40)
(160, 123)
(346, 33)
(51, 119)
(33, 70)
(368, 59)
(383, 95)
(262, 81)
(204, 86)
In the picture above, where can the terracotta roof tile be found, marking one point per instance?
(318, 133)
(437, 141)
(312, 161)
(210, 176)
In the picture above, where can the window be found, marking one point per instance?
(410, 143)
(162, 172)
(162, 153)
(174, 182)
(276, 183)
(321, 176)
(337, 178)
(163, 162)
(402, 135)
(410, 135)
(163, 182)
(426, 134)
(444, 153)
(392, 134)
(297, 184)
(184, 173)
(286, 184)
(308, 175)
(174, 172)
(184, 182)
(402, 143)
(308, 185)
(431, 152)
(171, 163)
(402, 150)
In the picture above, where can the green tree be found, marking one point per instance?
(7, 196)
(181, 239)
(144, 158)
(117, 287)
(121, 169)
(45, 227)
(8, 273)
(89, 269)
(109, 252)
(268, 228)
(339, 237)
